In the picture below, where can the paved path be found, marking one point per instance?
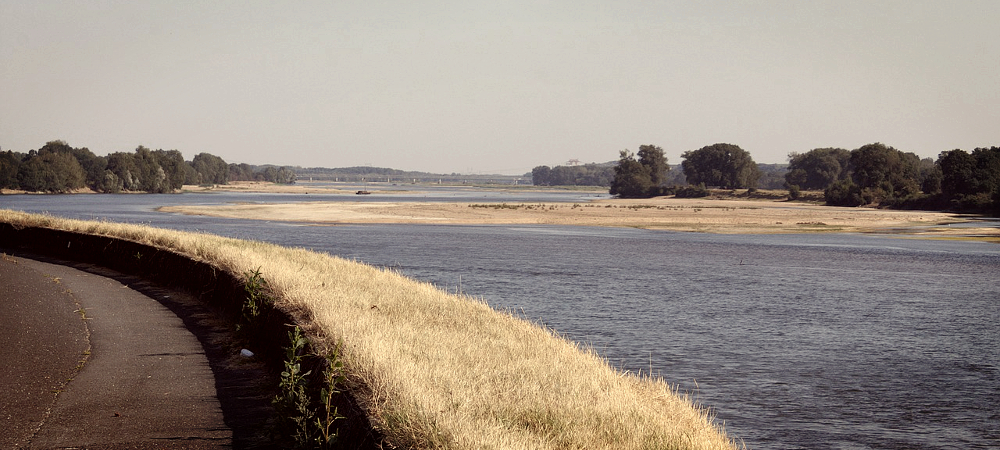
(91, 363)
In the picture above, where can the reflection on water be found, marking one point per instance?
(796, 341)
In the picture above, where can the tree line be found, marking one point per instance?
(57, 167)
(633, 183)
(874, 174)
(646, 173)
(880, 175)
(586, 175)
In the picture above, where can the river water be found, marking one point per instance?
(824, 341)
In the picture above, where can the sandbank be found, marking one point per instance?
(664, 213)
(265, 187)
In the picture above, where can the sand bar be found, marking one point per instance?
(699, 215)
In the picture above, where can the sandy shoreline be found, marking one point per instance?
(265, 187)
(706, 215)
(699, 215)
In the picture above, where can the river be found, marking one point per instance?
(820, 341)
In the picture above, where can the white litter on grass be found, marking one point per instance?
(246, 353)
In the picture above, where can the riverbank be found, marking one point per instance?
(264, 187)
(432, 369)
(728, 216)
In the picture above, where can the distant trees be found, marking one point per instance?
(585, 175)
(247, 172)
(10, 163)
(53, 168)
(174, 169)
(883, 172)
(652, 158)
(57, 167)
(930, 176)
(120, 174)
(878, 174)
(631, 177)
(541, 176)
(150, 176)
(724, 165)
(817, 168)
(241, 172)
(93, 166)
(971, 181)
(772, 176)
(50, 172)
(643, 177)
(210, 168)
(280, 175)
(874, 174)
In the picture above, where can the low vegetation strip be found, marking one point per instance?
(437, 370)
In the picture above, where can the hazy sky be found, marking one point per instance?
(497, 86)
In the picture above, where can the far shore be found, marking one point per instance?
(725, 216)
(266, 187)
(728, 215)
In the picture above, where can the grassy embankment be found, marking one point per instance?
(437, 370)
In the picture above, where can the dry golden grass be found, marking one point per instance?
(437, 370)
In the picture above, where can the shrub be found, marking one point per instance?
(843, 193)
(794, 192)
(692, 191)
(304, 417)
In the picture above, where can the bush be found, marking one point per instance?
(843, 193)
(660, 191)
(794, 192)
(980, 201)
(692, 191)
(303, 417)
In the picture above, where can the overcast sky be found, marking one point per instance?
(497, 86)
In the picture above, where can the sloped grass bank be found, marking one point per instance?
(428, 369)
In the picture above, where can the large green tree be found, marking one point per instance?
(885, 174)
(724, 165)
(173, 165)
(655, 161)
(10, 162)
(957, 167)
(987, 171)
(243, 172)
(279, 175)
(632, 178)
(50, 172)
(881, 175)
(151, 176)
(540, 176)
(212, 169)
(971, 181)
(642, 177)
(818, 168)
(122, 173)
(93, 165)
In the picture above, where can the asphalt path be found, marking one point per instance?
(93, 363)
